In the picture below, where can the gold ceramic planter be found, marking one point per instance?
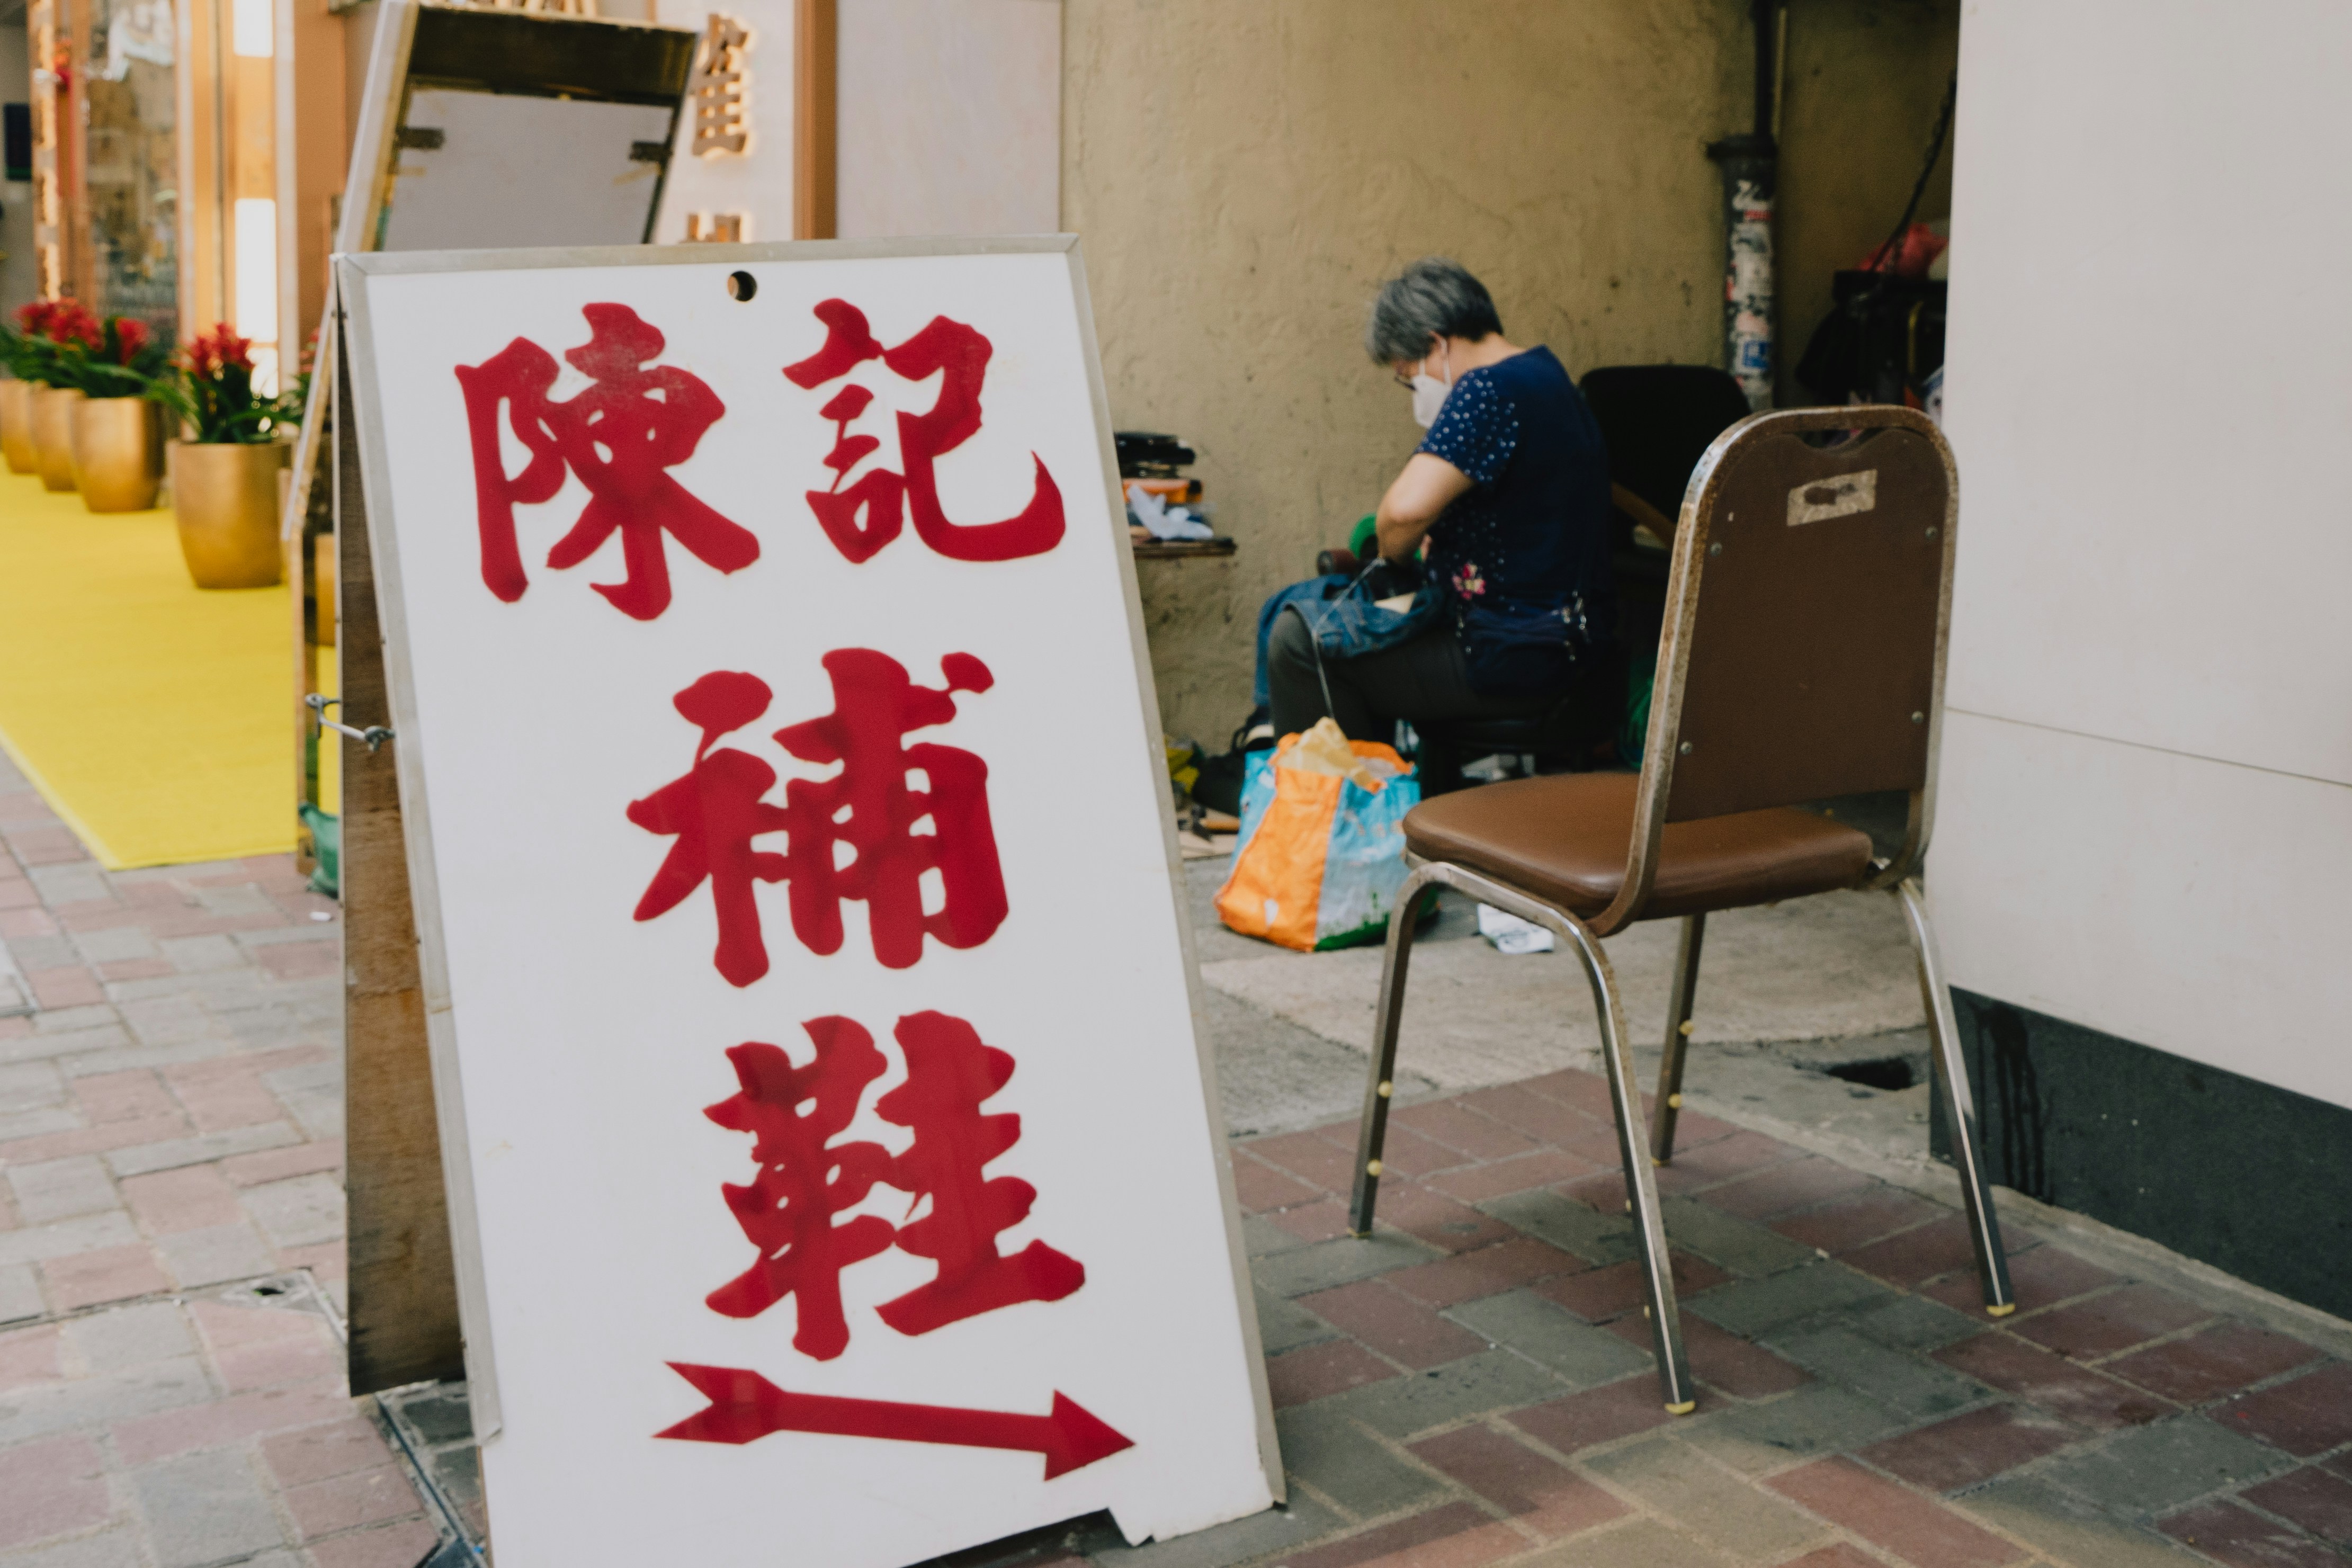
(225, 496)
(16, 446)
(53, 434)
(118, 452)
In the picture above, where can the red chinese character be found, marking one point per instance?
(950, 1073)
(885, 497)
(647, 420)
(719, 806)
(716, 812)
(805, 1178)
(874, 705)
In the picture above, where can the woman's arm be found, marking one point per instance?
(1420, 496)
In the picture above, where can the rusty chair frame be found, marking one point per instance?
(1897, 875)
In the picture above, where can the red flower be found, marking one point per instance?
(33, 320)
(129, 336)
(217, 350)
(70, 323)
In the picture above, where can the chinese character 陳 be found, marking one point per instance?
(647, 420)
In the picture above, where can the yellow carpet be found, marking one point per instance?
(153, 716)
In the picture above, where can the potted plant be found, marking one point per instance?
(225, 467)
(51, 328)
(117, 439)
(27, 353)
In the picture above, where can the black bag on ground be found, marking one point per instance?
(1219, 786)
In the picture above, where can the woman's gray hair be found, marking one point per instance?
(1433, 297)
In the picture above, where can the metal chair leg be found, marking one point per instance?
(1959, 1105)
(1616, 1054)
(1373, 1131)
(1641, 1180)
(1669, 1104)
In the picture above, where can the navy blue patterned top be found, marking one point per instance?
(1530, 535)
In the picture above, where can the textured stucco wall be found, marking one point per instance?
(1244, 175)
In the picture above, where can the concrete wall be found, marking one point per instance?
(1244, 176)
(2148, 769)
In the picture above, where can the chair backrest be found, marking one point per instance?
(1657, 421)
(1803, 650)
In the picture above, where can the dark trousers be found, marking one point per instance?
(1420, 681)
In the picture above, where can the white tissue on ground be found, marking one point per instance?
(1163, 521)
(1509, 934)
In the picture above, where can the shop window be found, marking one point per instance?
(129, 168)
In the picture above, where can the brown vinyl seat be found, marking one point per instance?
(1563, 839)
(1811, 666)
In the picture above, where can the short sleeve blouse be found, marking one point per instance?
(1532, 529)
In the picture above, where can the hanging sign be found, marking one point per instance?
(833, 1166)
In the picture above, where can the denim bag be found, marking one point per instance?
(1342, 613)
(1355, 623)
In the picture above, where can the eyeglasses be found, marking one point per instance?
(1420, 366)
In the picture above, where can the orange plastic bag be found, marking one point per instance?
(1321, 855)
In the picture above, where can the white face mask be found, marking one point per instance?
(1429, 394)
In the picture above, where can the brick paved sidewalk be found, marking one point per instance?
(172, 1391)
(1475, 1386)
(1469, 1386)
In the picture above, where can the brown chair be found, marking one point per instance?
(1803, 659)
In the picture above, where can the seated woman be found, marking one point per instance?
(1510, 491)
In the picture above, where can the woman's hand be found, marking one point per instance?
(1414, 503)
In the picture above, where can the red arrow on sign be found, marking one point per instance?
(746, 1407)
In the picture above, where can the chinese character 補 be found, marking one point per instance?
(959, 355)
(867, 806)
(716, 88)
(619, 436)
(807, 1177)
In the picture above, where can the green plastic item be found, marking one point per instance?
(327, 839)
(1366, 533)
(1640, 676)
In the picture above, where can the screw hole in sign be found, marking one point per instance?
(741, 286)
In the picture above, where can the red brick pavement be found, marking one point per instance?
(166, 1107)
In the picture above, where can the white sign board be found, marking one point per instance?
(836, 1169)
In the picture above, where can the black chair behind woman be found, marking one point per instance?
(1658, 421)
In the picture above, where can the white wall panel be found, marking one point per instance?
(2147, 386)
(2190, 906)
(2144, 815)
(951, 118)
